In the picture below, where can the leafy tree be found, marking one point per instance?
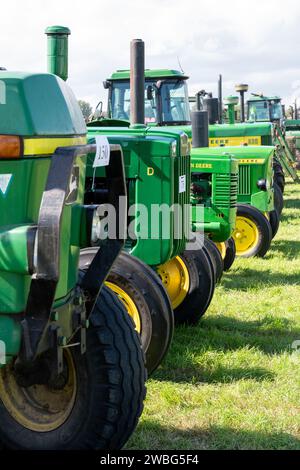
(86, 109)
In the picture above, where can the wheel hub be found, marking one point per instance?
(245, 235)
(175, 277)
(129, 304)
(39, 408)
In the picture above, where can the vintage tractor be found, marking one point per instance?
(71, 365)
(167, 107)
(157, 178)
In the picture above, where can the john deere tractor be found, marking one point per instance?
(71, 366)
(167, 108)
(157, 179)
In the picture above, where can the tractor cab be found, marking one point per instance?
(265, 108)
(166, 97)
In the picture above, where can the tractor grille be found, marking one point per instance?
(244, 180)
(225, 190)
(182, 167)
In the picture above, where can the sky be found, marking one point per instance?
(254, 42)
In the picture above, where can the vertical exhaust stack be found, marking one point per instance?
(199, 129)
(220, 98)
(231, 102)
(137, 82)
(57, 53)
(241, 89)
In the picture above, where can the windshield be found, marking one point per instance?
(174, 101)
(258, 111)
(276, 110)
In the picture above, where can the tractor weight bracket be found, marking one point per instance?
(37, 316)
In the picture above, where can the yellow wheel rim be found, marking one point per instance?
(245, 235)
(39, 408)
(130, 306)
(175, 277)
(222, 248)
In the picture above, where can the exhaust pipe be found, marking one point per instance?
(137, 82)
(57, 53)
(199, 121)
(220, 98)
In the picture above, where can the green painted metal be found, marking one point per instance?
(23, 114)
(149, 73)
(223, 176)
(57, 55)
(154, 160)
(254, 163)
(26, 98)
(241, 130)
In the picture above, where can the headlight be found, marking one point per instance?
(184, 145)
(174, 148)
(263, 184)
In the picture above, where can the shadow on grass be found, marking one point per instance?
(248, 278)
(289, 248)
(153, 436)
(291, 203)
(192, 357)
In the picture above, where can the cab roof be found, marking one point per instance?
(150, 73)
(264, 98)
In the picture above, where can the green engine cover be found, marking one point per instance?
(43, 112)
(155, 163)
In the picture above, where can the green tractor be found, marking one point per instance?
(155, 274)
(71, 366)
(167, 108)
(269, 109)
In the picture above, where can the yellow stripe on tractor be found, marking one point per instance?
(47, 146)
(234, 141)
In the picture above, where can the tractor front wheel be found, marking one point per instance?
(190, 283)
(101, 398)
(145, 300)
(274, 220)
(215, 257)
(278, 199)
(230, 254)
(253, 233)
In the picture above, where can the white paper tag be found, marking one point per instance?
(4, 183)
(103, 151)
(182, 185)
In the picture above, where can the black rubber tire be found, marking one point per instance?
(230, 254)
(274, 220)
(201, 289)
(110, 392)
(151, 299)
(278, 199)
(216, 259)
(279, 177)
(264, 230)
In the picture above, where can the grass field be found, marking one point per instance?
(233, 381)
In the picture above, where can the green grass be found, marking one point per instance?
(233, 381)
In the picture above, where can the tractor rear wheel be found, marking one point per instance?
(274, 220)
(279, 177)
(189, 281)
(230, 254)
(215, 257)
(145, 300)
(278, 199)
(253, 233)
(102, 397)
